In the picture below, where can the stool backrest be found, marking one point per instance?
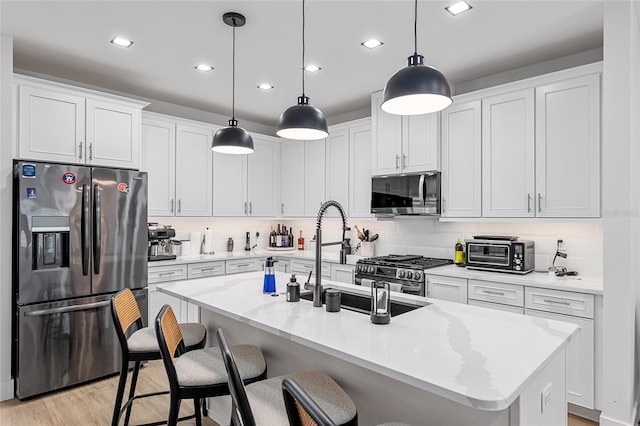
(170, 342)
(302, 410)
(125, 313)
(241, 408)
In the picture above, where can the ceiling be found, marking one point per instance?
(71, 40)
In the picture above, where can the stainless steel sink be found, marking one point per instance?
(362, 303)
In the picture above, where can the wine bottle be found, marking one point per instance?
(301, 242)
(290, 237)
(285, 237)
(272, 237)
(279, 237)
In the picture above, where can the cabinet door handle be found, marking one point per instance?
(539, 202)
(250, 207)
(404, 161)
(557, 302)
(91, 151)
(242, 265)
(498, 293)
(245, 207)
(164, 274)
(397, 162)
(179, 205)
(281, 208)
(444, 203)
(80, 150)
(428, 285)
(215, 268)
(528, 203)
(172, 205)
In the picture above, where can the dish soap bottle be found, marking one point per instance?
(458, 258)
(269, 284)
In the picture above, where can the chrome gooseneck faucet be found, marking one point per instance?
(344, 250)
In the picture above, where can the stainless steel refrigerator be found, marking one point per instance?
(80, 235)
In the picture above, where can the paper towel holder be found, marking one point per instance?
(204, 243)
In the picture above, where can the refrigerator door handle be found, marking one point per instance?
(85, 231)
(63, 309)
(97, 228)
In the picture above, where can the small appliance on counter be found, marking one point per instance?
(160, 247)
(500, 254)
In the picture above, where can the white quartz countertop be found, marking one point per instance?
(476, 357)
(532, 279)
(290, 254)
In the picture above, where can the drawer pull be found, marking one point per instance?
(499, 293)
(215, 268)
(557, 302)
(243, 265)
(164, 274)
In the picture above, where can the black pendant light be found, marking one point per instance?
(417, 88)
(302, 121)
(233, 139)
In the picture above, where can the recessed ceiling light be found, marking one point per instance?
(312, 68)
(204, 67)
(372, 44)
(121, 41)
(265, 86)
(457, 8)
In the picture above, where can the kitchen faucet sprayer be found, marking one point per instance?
(344, 250)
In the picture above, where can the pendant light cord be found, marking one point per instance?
(415, 28)
(233, 78)
(303, 46)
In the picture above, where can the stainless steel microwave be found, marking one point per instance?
(414, 194)
(500, 254)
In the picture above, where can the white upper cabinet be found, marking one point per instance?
(158, 160)
(568, 148)
(403, 144)
(314, 183)
(508, 155)
(263, 186)
(337, 168)
(461, 160)
(194, 175)
(61, 123)
(360, 170)
(230, 185)
(293, 177)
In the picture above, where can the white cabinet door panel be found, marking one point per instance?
(51, 126)
(446, 288)
(580, 359)
(568, 148)
(194, 175)
(337, 169)
(387, 139)
(293, 178)
(314, 184)
(159, 156)
(113, 134)
(508, 155)
(263, 186)
(420, 143)
(461, 160)
(360, 171)
(229, 185)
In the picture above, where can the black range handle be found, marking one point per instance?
(97, 229)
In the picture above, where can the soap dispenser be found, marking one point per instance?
(269, 284)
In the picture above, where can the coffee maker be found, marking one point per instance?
(159, 247)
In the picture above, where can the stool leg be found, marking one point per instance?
(132, 390)
(205, 412)
(174, 409)
(196, 407)
(120, 392)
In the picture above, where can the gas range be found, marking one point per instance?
(404, 273)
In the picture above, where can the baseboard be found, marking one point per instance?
(586, 413)
(6, 390)
(606, 421)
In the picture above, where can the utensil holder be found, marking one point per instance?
(367, 249)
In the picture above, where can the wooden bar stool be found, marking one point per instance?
(200, 373)
(261, 403)
(302, 410)
(139, 344)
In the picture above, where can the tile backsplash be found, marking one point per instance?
(581, 241)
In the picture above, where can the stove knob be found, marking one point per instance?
(517, 261)
(518, 267)
(417, 275)
(401, 273)
(409, 275)
(371, 269)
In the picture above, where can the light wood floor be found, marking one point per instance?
(92, 404)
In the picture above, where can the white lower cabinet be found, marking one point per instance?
(493, 292)
(238, 266)
(184, 312)
(446, 288)
(302, 267)
(342, 273)
(498, 306)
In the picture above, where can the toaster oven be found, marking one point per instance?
(500, 254)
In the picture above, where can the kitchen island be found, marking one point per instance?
(442, 364)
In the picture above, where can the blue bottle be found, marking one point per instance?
(269, 285)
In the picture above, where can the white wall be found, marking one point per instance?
(620, 213)
(6, 79)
